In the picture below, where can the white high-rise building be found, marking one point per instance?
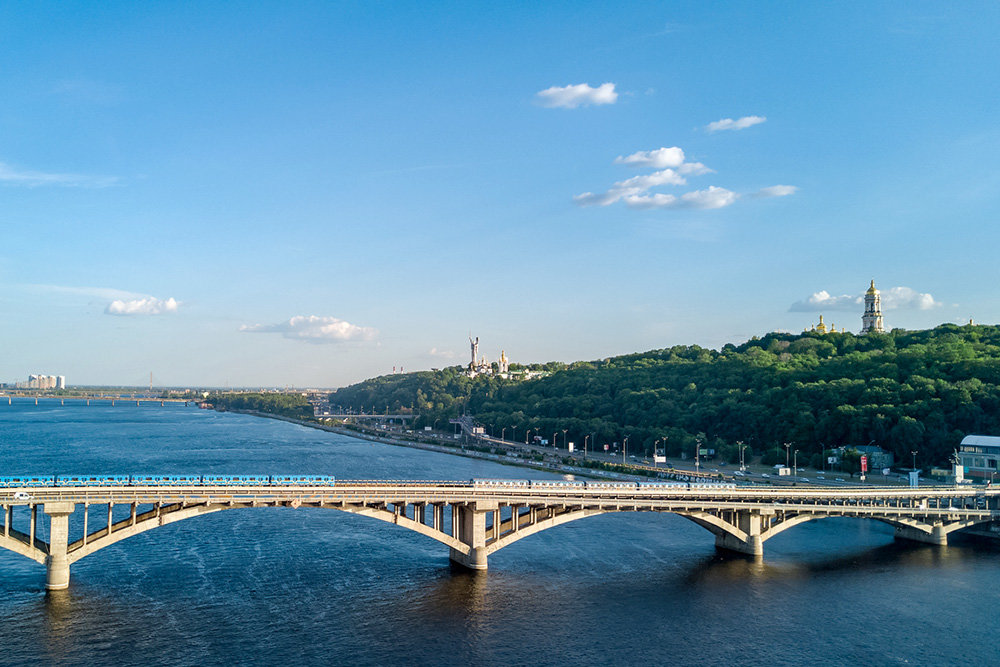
(872, 319)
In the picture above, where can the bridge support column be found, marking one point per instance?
(472, 531)
(749, 522)
(937, 535)
(57, 563)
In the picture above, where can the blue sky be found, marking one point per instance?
(309, 194)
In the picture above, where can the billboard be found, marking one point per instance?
(864, 464)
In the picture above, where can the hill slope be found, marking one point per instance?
(905, 391)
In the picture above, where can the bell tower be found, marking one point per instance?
(872, 319)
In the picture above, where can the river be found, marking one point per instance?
(279, 586)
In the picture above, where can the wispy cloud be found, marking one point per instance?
(442, 354)
(119, 302)
(28, 178)
(315, 329)
(88, 91)
(738, 124)
(571, 97)
(824, 301)
(108, 293)
(776, 191)
(894, 298)
(144, 306)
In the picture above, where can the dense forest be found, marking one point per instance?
(288, 405)
(905, 391)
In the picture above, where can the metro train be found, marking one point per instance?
(594, 484)
(167, 480)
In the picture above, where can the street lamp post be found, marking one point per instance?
(585, 439)
(554, 439)
(513, 433)
(565, 431)
(697, 452)
(527, 434)
(624, 445)
(795, 462)
(502, 431)
(914, 459)
(743, 465)
(788, 447)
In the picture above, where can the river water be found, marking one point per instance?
(277, 586)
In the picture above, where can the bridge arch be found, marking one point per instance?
(35, 553)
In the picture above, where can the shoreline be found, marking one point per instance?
(458, 450)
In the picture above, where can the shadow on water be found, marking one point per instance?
(726, 566)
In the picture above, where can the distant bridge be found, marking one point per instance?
(474, 521)
(114, 400)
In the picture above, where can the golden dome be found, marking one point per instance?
(871, 288)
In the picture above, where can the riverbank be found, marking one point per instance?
(457, 449)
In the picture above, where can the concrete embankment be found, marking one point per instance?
(454, 450)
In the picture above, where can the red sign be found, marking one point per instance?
(605, 447)
(864, 464)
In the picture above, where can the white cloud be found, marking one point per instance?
(27, 178)
(776, 191)
(713, 197)
(894, 298)
(571, 97)
(631, 187)
(823, 300)
(442, 354)
(314, 329)
(905, 298)
(658, 159)
(672, 171)
(738, 124)
(143, 306)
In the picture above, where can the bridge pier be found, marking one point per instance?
(470, 520)
(937, 536)
(750, 523)
(57, 562)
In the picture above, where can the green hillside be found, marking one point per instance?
(904, 391)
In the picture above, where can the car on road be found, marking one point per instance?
(764, 474)
(21, 495)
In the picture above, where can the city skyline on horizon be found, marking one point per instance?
(313, 195)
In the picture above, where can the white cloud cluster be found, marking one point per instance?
(27, 178)
(314, 329)
(899, 298)
(142, 306)
(894, 298)
(571, 97)
(673, 170)
(738, 124)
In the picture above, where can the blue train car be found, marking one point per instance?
(91, 480)
(236, 480)
(27, 480)
(302, 480)
(166, 480)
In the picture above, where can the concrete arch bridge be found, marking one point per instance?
(474, 520)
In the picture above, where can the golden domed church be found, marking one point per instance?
(872, 319)
(822, 328)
